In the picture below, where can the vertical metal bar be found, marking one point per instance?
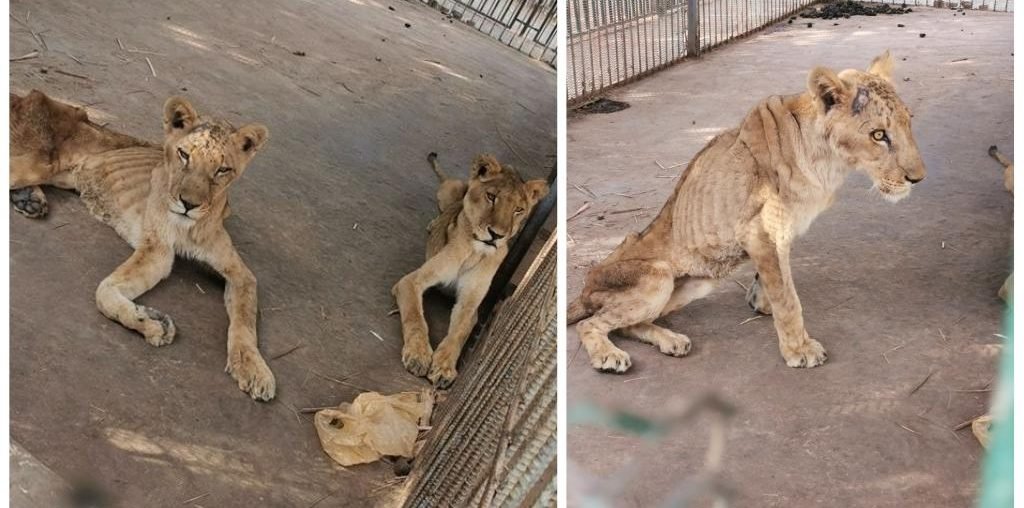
(623, 38)
(579, 77)
(692, 44)
(659, 48)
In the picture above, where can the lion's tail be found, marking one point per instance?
(576, 312)
(432, 159)
(994, 152)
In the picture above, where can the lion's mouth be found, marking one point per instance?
(893, 193)
(490, 243)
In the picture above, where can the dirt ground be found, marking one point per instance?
(895, 292)
(328, 217)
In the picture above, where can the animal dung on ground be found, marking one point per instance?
(299, 53)
(603, 105)
(845, 8)
(922, 35)
(374, 426)
(407, 25)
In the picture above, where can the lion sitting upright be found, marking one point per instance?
(747, 195)
(163, 200)
(467, 242)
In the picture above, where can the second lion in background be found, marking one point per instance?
(465, 246)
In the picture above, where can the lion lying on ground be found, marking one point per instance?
(164, 201)
(747, 195)
(466, 244)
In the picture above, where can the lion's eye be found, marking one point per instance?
(183, 155)
(879, 135)
(519, 211)
(492, 197)
(224, 170)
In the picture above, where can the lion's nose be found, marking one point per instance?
(188, 206)
(494, 234)
(914, 180)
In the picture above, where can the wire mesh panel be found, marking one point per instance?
(614, 41)
(531, 26)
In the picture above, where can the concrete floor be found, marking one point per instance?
(328, 217)
(895, 292)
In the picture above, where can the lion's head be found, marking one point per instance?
(868, 125)
(203, 157)
(497, 201)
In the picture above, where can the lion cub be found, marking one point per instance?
(465, 245)
(164, 201)
(747, 195)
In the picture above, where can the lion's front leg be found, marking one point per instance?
(244, 362)
(775, 277)
(463, 319)
(147, 266)
(408, 293)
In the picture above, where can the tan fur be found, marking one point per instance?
(48, 140)
(466, 244)
(1007, 288)
(747, 195)
(163, 206)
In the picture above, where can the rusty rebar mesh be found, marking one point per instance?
(494, 442)
(530, 26)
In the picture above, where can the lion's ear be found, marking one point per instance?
(179, 115)
(485, 167)
(250, 138)
(827, 87)
(536, 190)
(882, 66)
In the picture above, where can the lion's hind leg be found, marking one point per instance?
(668, 342)
(687, 289)
(627, 295)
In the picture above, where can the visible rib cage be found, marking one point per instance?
(115, 187)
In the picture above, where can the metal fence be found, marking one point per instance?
(530, 26)
(612, 42)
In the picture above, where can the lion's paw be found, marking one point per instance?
(442, 369)
(610, 359)
(416, 356)
(252, 373)
(30, 202)
(810, 353)
(675, 344)
(157, 327)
